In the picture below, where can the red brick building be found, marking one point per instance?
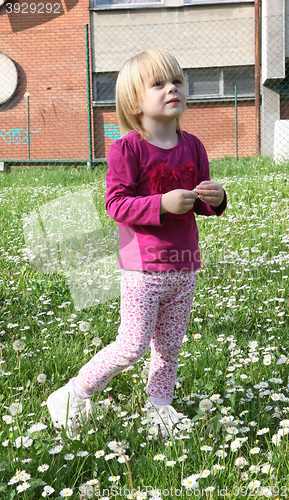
(47, 116)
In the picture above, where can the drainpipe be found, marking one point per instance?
(257, 75)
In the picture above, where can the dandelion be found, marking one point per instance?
(117, 446)
(84, 326)
(18, 345)
(96, 341)
(15, 408)
(205, 405)
(41, 378)
(86, 490)
(66, 492)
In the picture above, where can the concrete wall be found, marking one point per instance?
(198, 36)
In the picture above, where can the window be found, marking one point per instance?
(207, 2)
(202, 83)
(104, 87)
(220, 82)
(123, 4)
(129, 4)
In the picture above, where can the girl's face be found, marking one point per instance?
(163, 101)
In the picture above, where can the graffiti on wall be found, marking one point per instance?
(16, 136)
(112, 131)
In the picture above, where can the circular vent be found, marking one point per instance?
(8, 78)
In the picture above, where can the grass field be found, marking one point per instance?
(235, 354)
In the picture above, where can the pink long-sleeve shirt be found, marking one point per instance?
(138, 174)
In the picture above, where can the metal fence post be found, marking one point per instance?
(28, 127)
(88, 96)
(236, 121)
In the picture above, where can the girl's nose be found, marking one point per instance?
(172, 87)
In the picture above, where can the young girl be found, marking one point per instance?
(157, 178)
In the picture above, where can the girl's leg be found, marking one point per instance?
(139, 307)
(171, 326)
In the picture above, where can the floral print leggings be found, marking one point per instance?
(155, 311)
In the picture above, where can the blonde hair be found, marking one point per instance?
(144, 68)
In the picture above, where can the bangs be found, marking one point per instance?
(159, 65)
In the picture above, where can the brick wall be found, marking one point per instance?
(51, 62)
(214, 124)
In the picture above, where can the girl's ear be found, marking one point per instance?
(137, 111)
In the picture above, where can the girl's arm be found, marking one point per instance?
(213, 198)
(121, 201)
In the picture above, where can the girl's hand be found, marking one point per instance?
(210, 192)
(178, 201)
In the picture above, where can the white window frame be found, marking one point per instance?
(103, 102)
(221, 84)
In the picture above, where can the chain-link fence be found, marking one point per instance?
(58, 105)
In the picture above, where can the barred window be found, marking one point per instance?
(104, 87)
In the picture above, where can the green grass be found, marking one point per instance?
(235, 352)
